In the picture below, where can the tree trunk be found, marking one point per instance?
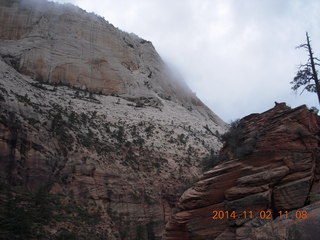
(314, 72)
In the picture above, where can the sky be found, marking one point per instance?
(238, 56)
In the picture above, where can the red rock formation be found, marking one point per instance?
(273, 167)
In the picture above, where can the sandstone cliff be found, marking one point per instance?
(55, 43)
(270, 166)
(97, 139)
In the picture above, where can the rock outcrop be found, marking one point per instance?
(91, 117)
(267, 189)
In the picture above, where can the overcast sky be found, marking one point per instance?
(238, 56)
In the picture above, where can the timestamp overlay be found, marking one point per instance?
(263, 214)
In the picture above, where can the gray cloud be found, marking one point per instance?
(238, 56)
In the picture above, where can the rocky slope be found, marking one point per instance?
(270, 168)
(97, 138)
(63, 44)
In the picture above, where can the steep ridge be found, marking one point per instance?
(97, 138)
(64, 44)
(269, 187)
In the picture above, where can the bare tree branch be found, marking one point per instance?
(302, 46)
(303, 90)
(307, 75)
(305, 65)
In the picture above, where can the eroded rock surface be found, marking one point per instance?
(92, 115)
(55, 43)
(273, 166)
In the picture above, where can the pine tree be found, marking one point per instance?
(307, 75)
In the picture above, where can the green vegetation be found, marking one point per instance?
(149, 130)
(301, 132)
(2, 99)
(27, 215)
(182, 138)
(59, 128)
(190, 182)
(64, 234)
(120, 135)
(145, 232)
(237, 141)
(233, 136)
(307, 75)
(24, 99)
(212, 160)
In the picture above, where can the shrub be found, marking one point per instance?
(149, 130)
(139, 141)
(23, 214)
(182, 138)
(234, 139)
(86, 140)
(212, 160)
(301, 132)
(120, 135)
(2, 99)
(64, 234)
(315, 110)
(233, 136)
(73, 118)
(140, 233)
(243, 150)
(150, 231)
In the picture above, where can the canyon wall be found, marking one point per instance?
(97, 138)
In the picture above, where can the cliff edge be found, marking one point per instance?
(266, 186)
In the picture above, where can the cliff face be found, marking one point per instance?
(92, 121)
(63, 44)
(272, 171)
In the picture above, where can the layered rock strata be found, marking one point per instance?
(55, 43)
(92, 116)
(269, 187)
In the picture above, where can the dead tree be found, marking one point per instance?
(307, 75)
